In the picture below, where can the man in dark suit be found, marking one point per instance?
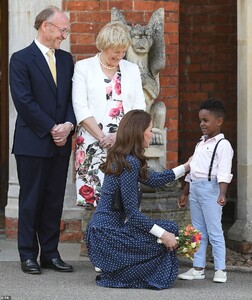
(42, 139)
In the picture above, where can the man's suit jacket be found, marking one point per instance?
(39, 103)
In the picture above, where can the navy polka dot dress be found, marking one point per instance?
(119, 243)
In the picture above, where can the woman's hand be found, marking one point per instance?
(108, 141)
(169, 240)
(187, 164)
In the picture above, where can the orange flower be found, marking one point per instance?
(189, 241)
(197, 237)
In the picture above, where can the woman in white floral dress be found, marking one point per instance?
(105, 87)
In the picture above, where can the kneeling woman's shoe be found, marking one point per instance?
(98, 270)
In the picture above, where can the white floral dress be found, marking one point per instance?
(89, 155)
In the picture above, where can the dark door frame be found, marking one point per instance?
(4, 105)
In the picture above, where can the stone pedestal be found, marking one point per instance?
(239, 236)
(86, 217)
(156, 155)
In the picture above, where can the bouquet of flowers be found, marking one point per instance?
(188, 241)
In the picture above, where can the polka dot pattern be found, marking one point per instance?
(120, 244)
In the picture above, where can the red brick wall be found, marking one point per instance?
(201, 62)
(70, 230)
(208, 68)
(87, 17)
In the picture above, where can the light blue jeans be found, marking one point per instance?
(206, 216)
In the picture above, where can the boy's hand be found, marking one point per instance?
(222, 200)
(182, 201)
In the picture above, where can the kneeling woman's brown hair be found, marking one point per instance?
(129, 141)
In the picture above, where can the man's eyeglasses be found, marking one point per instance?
(62, 30)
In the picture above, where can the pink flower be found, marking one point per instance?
(118, 87)
(80, 156)
(114, 112)
(119, 104)
(79, 140)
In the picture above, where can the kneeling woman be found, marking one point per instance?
(123, 244)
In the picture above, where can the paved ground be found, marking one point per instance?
(81, 283)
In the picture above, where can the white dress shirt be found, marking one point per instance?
(44, 51)
(201, 160)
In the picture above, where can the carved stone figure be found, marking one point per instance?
(148, 52)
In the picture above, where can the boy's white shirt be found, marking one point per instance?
(201, 160)
(200, 163)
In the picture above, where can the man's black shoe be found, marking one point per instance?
(30, 266)
(56, 264)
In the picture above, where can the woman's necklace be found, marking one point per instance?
(104, 66)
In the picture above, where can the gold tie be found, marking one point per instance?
(52, 64)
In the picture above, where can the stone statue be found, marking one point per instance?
(148, 52)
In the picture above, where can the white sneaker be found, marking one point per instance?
(192, 274)
(220, 276)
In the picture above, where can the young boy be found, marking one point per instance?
(208, 186)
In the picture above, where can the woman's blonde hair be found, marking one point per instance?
(114, 35)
